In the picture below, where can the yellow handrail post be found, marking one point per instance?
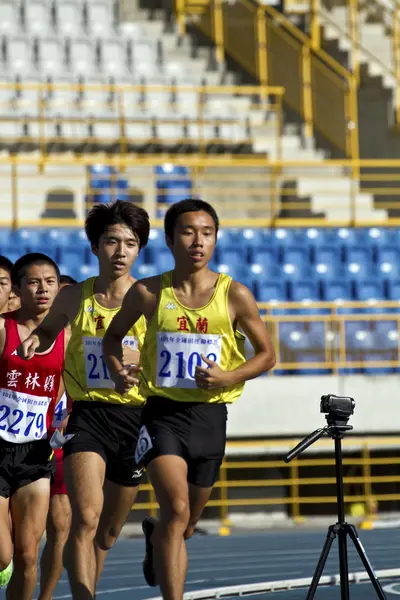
(307, 92)
(396, 56)
(353, 145)
(152, 500)
(262, 55)
(180, 16)
(315, 25)
(218, 30)
(354, 34)
(294, 487)
(225, 521)
(370, 502)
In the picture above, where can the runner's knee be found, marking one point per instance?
(86, 521)
(177, 513)
(106, 539)
(25, 557)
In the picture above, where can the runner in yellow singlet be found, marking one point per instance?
(103, 424)
(192, 366)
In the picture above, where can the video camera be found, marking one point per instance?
(338, 408)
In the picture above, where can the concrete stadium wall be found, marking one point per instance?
(286, 406)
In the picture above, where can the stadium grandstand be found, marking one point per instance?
(285, 116)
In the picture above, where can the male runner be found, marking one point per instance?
(192, 364)
(28, 395)
(59, 515)
(104, 423)
(5, 283)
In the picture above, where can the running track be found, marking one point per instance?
(249, 558)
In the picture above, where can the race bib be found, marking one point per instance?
(60, 412)
(22, 416)
(179, 355)
(97, 375)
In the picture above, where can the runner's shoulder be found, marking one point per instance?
(148, 287)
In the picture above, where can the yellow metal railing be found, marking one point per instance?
(247, 191)
(336, 337)
(306, 486)
(276, 52)
(57, 117)
(356, 16)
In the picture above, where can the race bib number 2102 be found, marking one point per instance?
(179, 355)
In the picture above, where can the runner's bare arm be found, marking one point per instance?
(2, 335)
(140, 300)
(62, 312)
(244, 311)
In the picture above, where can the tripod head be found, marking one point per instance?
(338, 409)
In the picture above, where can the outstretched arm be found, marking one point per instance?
(138, 301)
(244, 311)
(62, 312)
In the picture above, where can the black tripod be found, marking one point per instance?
(336, 429)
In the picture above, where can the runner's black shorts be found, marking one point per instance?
(194, 431)
(110, 430)
(21, 464)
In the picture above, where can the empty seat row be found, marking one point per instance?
(61, 17)
(121, 59)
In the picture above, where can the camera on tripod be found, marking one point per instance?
(339, 409)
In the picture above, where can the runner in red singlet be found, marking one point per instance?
(59, 516)
(28, 396)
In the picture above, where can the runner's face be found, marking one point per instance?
(5, 289)
(117, 251)
(39, 287)
(194, 240)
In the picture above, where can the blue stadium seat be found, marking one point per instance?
(263, 272)
(296, 255)
(256, 237)
(231, 256)
(164, 261)
(380, 236)
(283, 237)
(77, 237)
(88, 271)
(146, 270)
(295, 271)
(348, 237)
(327, 255)
(315, 238)
(358, 254)
(263, 256)
(55, 237)
(360, 270)
(12, 253)
(173, 183)
(27, 240)
(372, 289)
(271, 291)
(393, 289)
(234, 270)
(71, 269)
(335, 290)
(73, 254)
(156, 240)
(300, 291)
(388, 264)
(297, 345)
(227, 238)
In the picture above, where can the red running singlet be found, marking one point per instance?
(28, 388)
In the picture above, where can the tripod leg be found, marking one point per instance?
(321, 562)
(352, 532)
(343, 565)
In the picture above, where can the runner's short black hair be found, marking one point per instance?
(185, 206)
(32, 258)
(6, 264)
(67, 279)
(121, 212)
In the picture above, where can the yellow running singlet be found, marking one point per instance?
(85, 373)
(176, 338)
